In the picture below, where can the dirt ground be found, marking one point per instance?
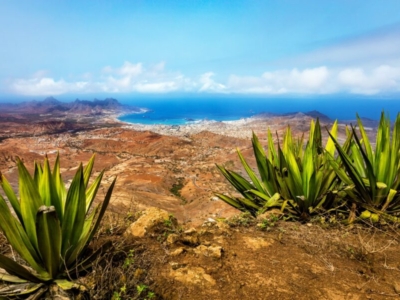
(210, 252)
(244, 258)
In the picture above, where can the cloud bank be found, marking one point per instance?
(135, 78)
(365, 65)
(130, 77)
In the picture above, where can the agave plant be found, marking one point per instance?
(373, 177)
(49, 226)
(295, 173)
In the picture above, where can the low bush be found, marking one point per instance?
(296, 175)
(306, 179)
(50, 228)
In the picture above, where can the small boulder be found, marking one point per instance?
(190, 231)
(150, 218)
(172, 239)
(223, 227)
(396, 287)
(196, 276)
(215, 251)
(211, 251)
(201, 250)
(177, 251)
(190, 237)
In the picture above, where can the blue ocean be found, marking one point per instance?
(181, 111)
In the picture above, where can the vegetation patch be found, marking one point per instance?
(50, 229)
(177, 187)
(306, 178)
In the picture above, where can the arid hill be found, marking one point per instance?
(204, 249)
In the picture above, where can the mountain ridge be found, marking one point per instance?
(51, 105)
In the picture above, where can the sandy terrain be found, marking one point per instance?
(173, 168)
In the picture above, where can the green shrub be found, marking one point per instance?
(296, 174)
(50, 228)
(372, 177)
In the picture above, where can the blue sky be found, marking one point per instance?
(282, 47)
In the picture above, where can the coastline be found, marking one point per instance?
(241, 128)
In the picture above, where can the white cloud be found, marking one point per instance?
(47, 86)
(129, 77)
(282, 81)
(155, 79)
(159, 87)
(321, 80)
(209, 85)
(380, 79)
(131, 70)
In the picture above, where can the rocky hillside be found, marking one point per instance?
(51, 105)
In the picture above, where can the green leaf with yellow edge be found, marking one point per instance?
(269, 201)
(20, 289)
(103, 206)
(49, 238)
(256, 182)
(17, 237)
(92, 191)
(11, 278)
(241, 184)
(330, 145)
(37, 173)
(30, 202)
(16, 269)
(74, 216)
(88, 170)
(365, 140)
(370, 174)
(60, 187)
(265, 166)
(11, 196)
(47, 188)
(231, 201)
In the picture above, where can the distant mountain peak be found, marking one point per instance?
(313, 114)
(53, 106)
(50, 99)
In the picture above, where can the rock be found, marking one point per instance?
(151, 217)
(211, 251)
(396, 287)
(172, 238)
(176, 266)
(177, 252)
(190, 231)
(201, 250)
(190, 239)
(257, 243)
(215, 251)
(223, 227)
(195, 276)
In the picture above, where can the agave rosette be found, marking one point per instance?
(295, 173)
(309, 180)
(50, 227)
(373, 177)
